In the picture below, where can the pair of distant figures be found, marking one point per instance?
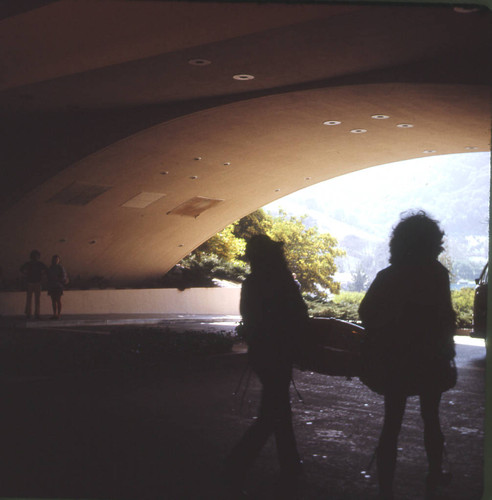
(34, 271)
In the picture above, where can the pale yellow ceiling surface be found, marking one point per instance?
(122, 113)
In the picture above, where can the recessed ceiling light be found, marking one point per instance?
(277, 190)
(405, 125)
(307, 178)
(164, 172)
(199, 62)
(227, 163)
(471, 147)
(358, 131)
(380, 117)
(243, 77)
(194, 177)
(332, 122)
(197, 158)
(92, 242)
(181, 245)
(427, 151)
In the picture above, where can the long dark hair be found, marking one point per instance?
(416, 238)
(265, 255)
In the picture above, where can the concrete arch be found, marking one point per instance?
(244, 155)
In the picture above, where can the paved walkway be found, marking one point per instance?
(119, 428)
(88, 320)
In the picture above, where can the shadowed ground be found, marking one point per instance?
(96, 421)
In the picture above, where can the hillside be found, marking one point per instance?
(360, 209)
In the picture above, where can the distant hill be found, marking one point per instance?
(360, 209)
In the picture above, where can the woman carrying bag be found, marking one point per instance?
(410, 323)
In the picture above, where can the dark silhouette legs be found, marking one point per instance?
(56, 305)
(33, 289)
(274, 418)
(394, 408)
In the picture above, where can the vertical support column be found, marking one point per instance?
(487, 471)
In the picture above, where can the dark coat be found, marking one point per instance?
(274, 316)
(410, 324)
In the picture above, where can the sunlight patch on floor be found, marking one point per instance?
(465, 340)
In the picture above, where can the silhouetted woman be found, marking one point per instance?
(407, 312)
(57, 279)
(274, 315)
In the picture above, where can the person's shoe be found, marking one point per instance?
(290, 482)
(433, 482)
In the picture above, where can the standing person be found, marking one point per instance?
(33, 271)
(274, 315)
(57, 278)
(410, 323)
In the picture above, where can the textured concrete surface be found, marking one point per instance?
(126, 426)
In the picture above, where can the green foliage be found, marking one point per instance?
(225, 244)
(256, 222)
(201, 268)
(309, 253)
(343, 306)
(346, 305)
(463, 305)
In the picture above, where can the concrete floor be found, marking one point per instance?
(122, 428)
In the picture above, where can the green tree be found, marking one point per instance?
(225, 245)
(360, 280)
(255, 223)
(463, 305)
(309, 253)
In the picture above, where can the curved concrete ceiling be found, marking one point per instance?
(128, 141)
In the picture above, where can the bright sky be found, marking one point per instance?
(411, 174)
(406, 177)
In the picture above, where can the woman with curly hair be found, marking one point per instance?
(410, 322)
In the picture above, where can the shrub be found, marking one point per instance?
(463, 305)
(157, 341)
(342, 306)
(199, 269)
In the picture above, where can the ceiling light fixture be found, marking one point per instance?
(199, 62)
(428, 151)
(405, 125)
(380, 117)
(197, 158)
(469, 148)
(358, 131)
(332, 122)
(243, 77)
(165, 172)
(193, 177)
(227, 163)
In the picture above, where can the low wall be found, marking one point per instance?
(152, 301)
